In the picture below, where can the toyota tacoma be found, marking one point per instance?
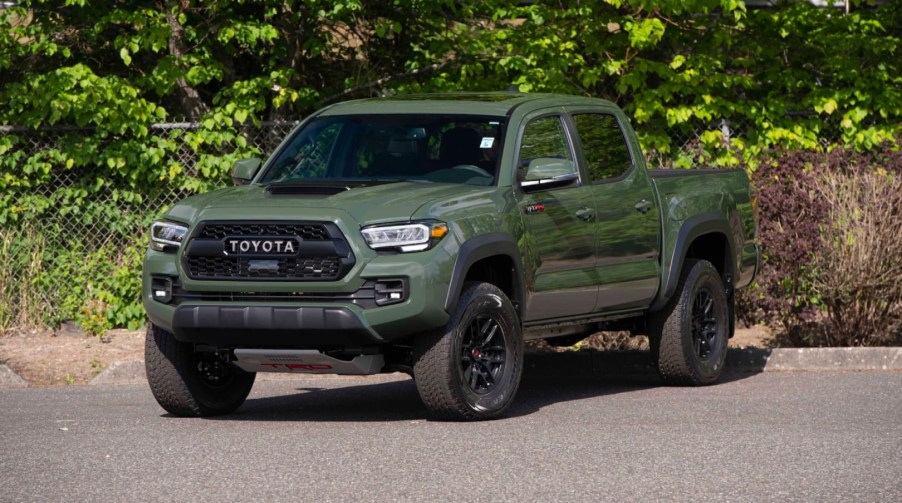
(433, 235)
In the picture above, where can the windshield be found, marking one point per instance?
(365, 148)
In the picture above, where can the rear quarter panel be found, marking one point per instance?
(706, 200)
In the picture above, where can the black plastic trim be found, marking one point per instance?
(163, 283)
(692, 229)
(481, 247)
(364, 297)
(264, 326)
(383, 289)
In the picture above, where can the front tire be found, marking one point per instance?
(192, 384)
(471, 369)
(688, 337)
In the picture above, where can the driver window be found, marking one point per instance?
(544, 138)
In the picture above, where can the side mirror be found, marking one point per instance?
(243, 171)
(547, 172)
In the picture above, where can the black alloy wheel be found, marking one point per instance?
(483, 354)
(470, 369)
(688, 337)
(705, 326)
(214, 369)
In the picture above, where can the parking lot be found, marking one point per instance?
(784, 436)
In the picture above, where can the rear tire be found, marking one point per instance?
(688, 337)
(471, 369)
(191, 384)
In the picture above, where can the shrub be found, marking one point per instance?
(859, 279)
(92, 317)
(790, 214)
(829, 225)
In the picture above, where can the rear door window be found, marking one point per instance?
(604, 146)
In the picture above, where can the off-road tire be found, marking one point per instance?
(180, 387)
(442, 358)
(688, 339)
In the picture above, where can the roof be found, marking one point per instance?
(487, 104)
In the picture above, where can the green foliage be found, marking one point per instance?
(45, 282)
(92, 318)
(795, 74)
(104, 286)
(741, 81)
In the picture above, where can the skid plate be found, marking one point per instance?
(305, 361)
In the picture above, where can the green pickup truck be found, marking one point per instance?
(433, 234)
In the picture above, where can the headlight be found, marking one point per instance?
(166, 235)
(405, 237)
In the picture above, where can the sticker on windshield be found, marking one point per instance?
(487, 142)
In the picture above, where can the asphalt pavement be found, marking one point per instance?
(775, 436)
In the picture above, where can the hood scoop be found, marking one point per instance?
(306, 190)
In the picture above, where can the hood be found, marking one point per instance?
(389, 202)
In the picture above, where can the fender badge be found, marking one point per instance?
(532, 209)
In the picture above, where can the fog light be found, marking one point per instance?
(161, 289)
(390, 291)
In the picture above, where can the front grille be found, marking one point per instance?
(319, 268)
(309, 232)
(322, 252)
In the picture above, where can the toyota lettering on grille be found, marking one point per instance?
(260, 246)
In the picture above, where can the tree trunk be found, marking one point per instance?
(192, 104)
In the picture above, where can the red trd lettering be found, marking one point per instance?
(308, 366)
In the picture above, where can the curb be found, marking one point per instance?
(815, 359)
(747, 360)
(599, 363)
(127, 372)
(9, 379)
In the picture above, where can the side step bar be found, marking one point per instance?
(305, 361)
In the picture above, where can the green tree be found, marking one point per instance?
(795, 75)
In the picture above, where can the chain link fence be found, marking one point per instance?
(63, 225)
(33, 142)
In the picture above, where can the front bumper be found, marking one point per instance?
(265, 326)
(295, 322)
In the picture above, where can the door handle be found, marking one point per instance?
(643, 206)
(585, 214)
